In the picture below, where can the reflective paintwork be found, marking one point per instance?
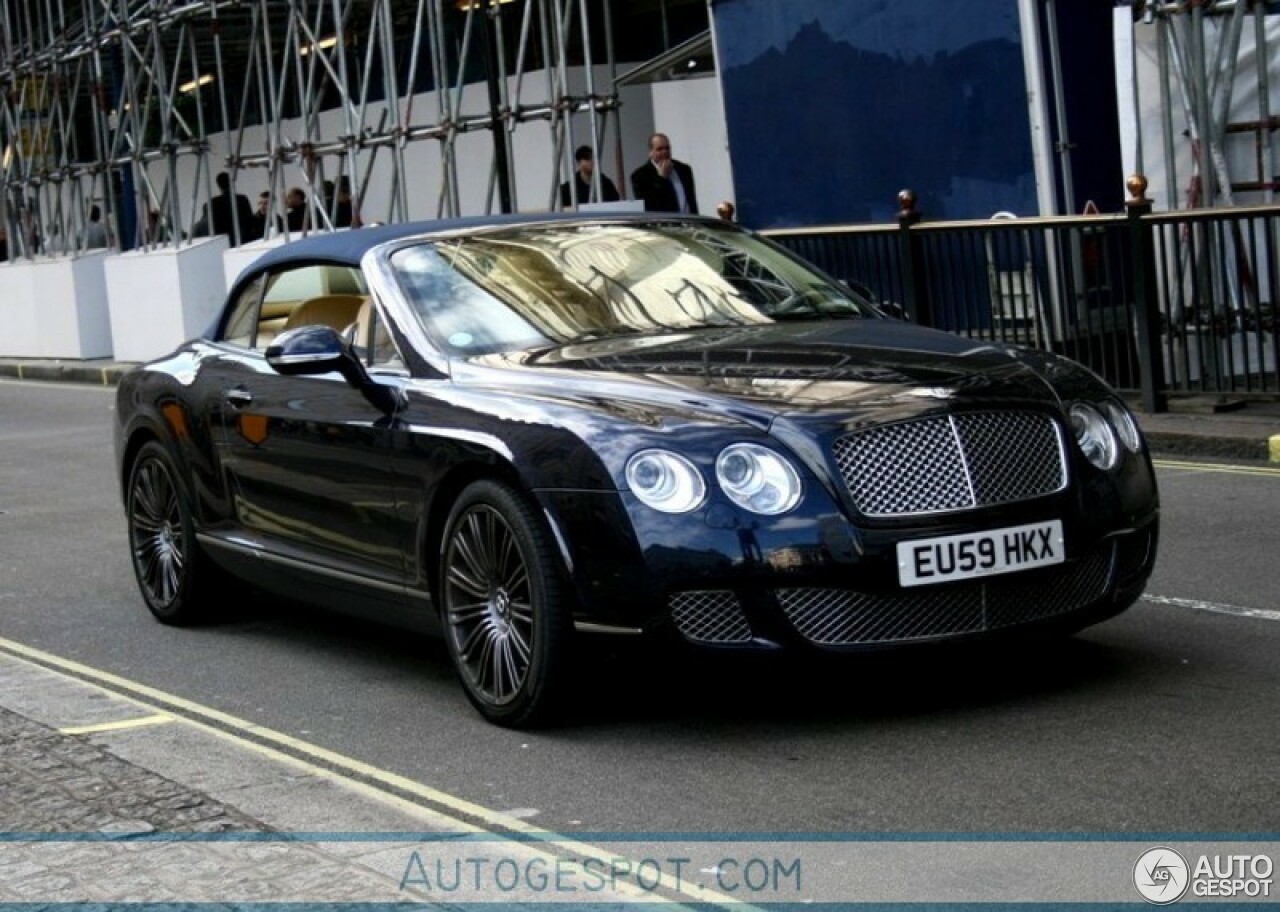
(300, 480)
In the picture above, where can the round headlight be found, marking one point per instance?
(665, 481)
(1094, 434)
(1122, 420)
(757, 479)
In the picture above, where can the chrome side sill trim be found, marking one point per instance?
(589, 627)
(257, 551)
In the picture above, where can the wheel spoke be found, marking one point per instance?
(465, 614)
(470, 570)
(483, 664)
(168, 579)
(498, 664)
(522, 612)
(171, 511)
(145, 494)
(520, 645)
(148, 556)
(470, 640)
(489, 541)
(149, 524)
(508, 557)
(517, 578)
(469, 584)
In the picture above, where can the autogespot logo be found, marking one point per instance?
(1161, 875)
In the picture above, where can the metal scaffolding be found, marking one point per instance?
(1217, 135)
(1198, 53)
(136, 106)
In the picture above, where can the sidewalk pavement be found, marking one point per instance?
(1198, 427)
(106, 799)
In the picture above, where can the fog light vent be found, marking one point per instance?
(710, 616)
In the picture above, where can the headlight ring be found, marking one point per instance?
(1122, 420)
(665, 481)
(1095, 435)
(758, 479)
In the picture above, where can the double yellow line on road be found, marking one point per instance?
(1264, 471)
(357, 775)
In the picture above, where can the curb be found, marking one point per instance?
(97, 375)
(1171, 443)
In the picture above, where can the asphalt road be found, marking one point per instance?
(1160, 720)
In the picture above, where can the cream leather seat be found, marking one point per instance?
(335, 310)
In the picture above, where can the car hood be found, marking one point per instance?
(834, 369)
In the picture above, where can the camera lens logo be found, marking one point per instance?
(1161, 875)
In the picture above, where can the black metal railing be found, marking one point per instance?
(1157, 304)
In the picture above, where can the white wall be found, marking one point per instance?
(1138, 93)
(691, 113)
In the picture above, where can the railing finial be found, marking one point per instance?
(907, 204)
(1137, 186)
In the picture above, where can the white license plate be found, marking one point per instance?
(955, 557)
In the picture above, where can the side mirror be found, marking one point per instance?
(309, 351)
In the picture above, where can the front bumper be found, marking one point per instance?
(812, 579)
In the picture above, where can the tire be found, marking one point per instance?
(175, 577)
(503, 606)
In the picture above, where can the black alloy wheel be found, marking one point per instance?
(502, 603)
(167, 562)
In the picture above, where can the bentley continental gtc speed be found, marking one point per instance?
(524, 432)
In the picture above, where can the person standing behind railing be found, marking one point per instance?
(226, 214)
(583, 174)
(664, 184)
(95, 233)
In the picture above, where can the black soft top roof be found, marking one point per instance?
(347, 247)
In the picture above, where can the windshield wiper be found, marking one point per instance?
(808, 304)
(608, 332)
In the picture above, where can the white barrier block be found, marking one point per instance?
(160, 298)
(18, 332)
(72, 319)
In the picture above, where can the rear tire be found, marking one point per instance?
(503, 606)
(176, 578)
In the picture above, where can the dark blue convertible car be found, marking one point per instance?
(523, 431)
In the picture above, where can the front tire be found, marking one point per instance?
(503, 606)
(172, 572)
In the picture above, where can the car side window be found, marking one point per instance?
(242, 325)
(381, 350)
(310, 295)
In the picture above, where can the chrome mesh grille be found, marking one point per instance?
(951, 462)
(841, 617)
(710, 616)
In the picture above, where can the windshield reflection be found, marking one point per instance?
(534, 287)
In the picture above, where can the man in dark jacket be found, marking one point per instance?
(664, 184)
(226, 214)
(584, 163)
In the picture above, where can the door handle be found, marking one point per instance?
(238, 397)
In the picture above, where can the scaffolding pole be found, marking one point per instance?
(137, 107)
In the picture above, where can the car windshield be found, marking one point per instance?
(533, 287)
